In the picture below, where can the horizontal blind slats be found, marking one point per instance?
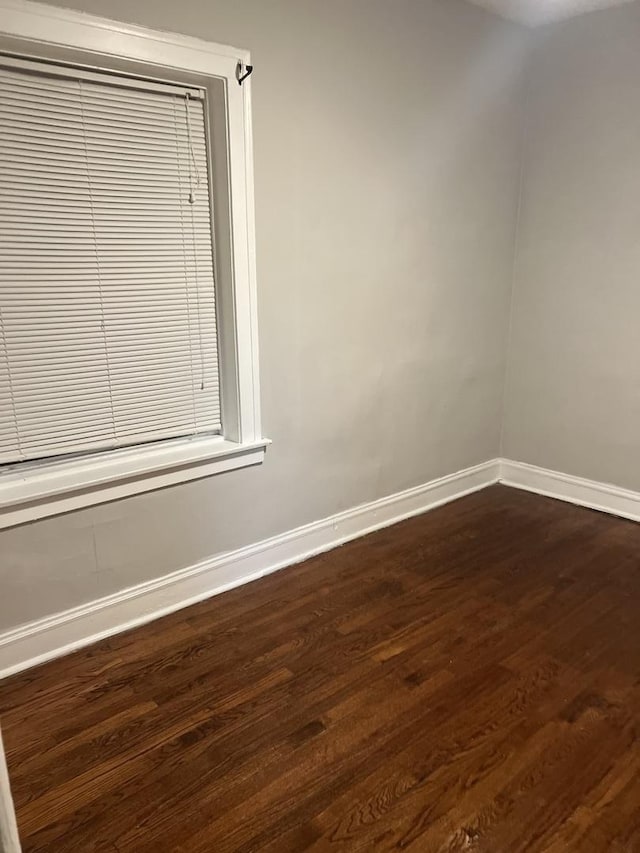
(46, 432)
(33, 375)
(106, 270)
(46, 203)
(126, 410)
(127, 147)
(65, 85)
(108, 161)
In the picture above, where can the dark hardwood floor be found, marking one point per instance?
(465, 680)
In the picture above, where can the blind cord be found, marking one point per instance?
(192, 201)
(103, 325)
(179, 165)
(14, 410)
(192, 156)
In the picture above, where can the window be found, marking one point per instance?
(128, 353)
(107, 301)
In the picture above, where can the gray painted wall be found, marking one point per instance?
(386, 149)
(573, 391)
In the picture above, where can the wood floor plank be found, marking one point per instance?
(465, 680)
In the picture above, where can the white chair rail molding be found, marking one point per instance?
(128, 321)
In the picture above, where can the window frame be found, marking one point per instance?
(31, 490)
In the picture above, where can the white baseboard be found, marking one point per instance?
(576, 490)
(64, 632)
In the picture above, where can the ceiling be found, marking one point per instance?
(535, 12)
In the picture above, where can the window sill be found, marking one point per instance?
(29, 491)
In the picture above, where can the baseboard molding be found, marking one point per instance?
(65, 632)
(576, 490)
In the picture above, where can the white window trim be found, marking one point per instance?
(35, 490)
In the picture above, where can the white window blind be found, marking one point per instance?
(107, 308)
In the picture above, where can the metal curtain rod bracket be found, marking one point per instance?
(242, 71)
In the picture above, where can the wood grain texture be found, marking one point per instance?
(465, 680)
